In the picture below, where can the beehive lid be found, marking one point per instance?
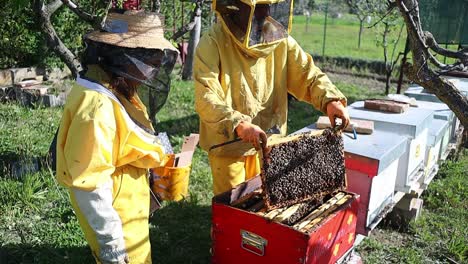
(420, 94)
(437, 131)
(303, 168)
(441, 110)
(410, 123)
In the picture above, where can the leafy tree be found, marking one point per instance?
(388, 22)
(362, 9)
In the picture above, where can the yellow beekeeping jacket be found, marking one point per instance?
(234, 84)
(97, 143)
(96, 137)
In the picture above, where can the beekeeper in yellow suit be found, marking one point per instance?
(106, 142)
(244, 68)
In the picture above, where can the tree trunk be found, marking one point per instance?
(44, 13)
(420, 72)
(361, 26)
(193, 43)
(388, 68)
(443, 89)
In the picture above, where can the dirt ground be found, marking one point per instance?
(372, 83)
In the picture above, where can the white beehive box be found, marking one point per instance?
(414, 125)
(438, 134)
(442, 111)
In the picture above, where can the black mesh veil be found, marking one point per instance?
(151, 68)
(254, 24)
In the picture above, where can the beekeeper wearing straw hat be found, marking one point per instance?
(106, 141)
(244, 68)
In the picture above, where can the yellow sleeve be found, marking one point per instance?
(307, 82)
(210, 95)
(88, 142)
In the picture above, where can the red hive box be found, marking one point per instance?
(240, 236)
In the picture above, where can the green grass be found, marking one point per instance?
(440, 235)
(27, 131)
(341, 38)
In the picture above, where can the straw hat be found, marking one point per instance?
(133, 29)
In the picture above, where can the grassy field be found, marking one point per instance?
(342, 37)
(37, 224)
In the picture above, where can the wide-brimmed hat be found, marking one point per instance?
(133, 29)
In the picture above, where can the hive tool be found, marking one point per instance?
(273, 130)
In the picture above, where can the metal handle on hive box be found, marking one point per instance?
(251, 241)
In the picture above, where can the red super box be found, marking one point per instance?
(241, 236)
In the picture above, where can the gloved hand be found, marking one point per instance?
(251, 133)
(125, 260)
(113, 252)
(335, 109)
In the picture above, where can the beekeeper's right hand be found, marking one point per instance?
(251, 133)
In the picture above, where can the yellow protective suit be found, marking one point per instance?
(95, 144)
(231, 171)
(234, 83)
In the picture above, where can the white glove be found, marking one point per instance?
(113, 252)
(97, 208)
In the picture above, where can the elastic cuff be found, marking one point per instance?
(328, 100)
(114, 252)
(238, 120)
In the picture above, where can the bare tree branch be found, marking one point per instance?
(79, 12)
(382, 18)
(421, 73)
(432, 43)
(412, 24)
(54, 6)
(184, 29)
(396, 44)
(44, 13)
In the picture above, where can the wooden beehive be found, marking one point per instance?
(301, 233)
(303, 168)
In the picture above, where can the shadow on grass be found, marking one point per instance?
(14, 254)
(180, 126)
(180, 233)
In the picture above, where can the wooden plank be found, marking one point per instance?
(325, 213)
(288, 212)
(257, 207)
(279, 140)
(361, 126)
(245, 198)
(273, 213)
(318, 211)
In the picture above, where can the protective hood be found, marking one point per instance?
(255, 25)
(150, 68)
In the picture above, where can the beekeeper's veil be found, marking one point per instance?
(254, 23)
